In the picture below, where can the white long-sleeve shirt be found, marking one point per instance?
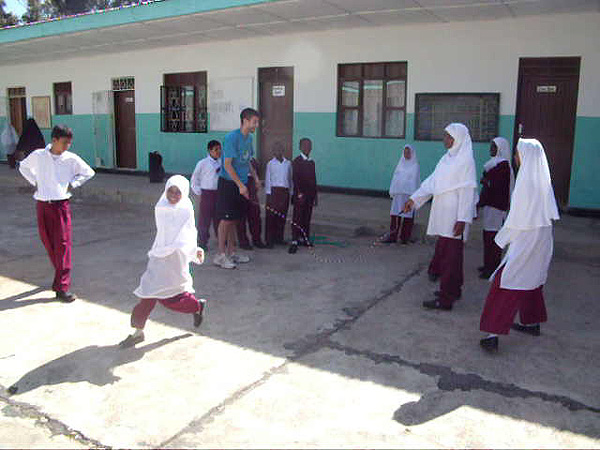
(52, 174)
(446, 209)
(278, 174)
(206, 175)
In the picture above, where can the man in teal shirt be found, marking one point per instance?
(232, 190)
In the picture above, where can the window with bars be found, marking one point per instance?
(183, 103)
(372, 100)
(123, 84)
(63, 101)
(16, 92)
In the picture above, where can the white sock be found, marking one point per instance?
(491, 335)
(138, 332)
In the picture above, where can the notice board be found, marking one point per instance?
(227, 97)
(480, 112)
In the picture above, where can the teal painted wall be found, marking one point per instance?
(180, 151)
(83, 142)
(3, 121)
(369, 163)
(585, 187)
(341, 162)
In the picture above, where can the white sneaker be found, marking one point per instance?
(223, 261)
(239, 259)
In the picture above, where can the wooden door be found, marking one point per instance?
(547, 109)
(125, 129)
(276, 107)
(18, 113)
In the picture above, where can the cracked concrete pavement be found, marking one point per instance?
(293, 353)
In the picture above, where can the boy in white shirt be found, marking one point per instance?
(278, 185)
(53, 170)
(205, 180)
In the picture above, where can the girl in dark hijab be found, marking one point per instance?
(31, 139)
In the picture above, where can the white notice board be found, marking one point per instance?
(227, 97)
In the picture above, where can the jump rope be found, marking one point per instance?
(361, 256)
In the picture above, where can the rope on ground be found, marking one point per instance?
(322, 240)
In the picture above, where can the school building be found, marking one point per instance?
(361, 78)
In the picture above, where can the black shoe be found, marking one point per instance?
(131, 340)
(481, 268)
(246, 247)
(485, 274)
(533, 330)
(199, 315)
(269, 245)
(489, 344)
(433, 277)
(259, 244)
(436, 304)
(387, 240)
(293, 248)
(66, 297)
(439, 294)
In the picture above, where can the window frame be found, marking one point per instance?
(59, 89)
(184, 82)
(341, 109)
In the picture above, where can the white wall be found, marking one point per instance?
(458, 57)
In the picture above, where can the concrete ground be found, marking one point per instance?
(324, 350)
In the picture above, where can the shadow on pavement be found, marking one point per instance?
(283, 306)
(93, 364)
(16, 300)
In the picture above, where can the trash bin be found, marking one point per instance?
(155, 167)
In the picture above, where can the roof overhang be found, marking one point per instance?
(184, 22)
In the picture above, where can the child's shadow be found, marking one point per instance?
(16, 300)
(93, 364)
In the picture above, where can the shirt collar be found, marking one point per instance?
(306, 158)
(48, 147)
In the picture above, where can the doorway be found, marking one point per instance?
(546, 110)
(276, 107)
(125, 129)
(17, 105)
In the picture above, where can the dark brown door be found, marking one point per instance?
(276, 107)
(125, 129)
(18, 113)
(546, 110)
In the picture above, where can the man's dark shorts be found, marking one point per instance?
(230, 203)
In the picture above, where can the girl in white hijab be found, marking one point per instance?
(497, 182)
(527, 231)
(453, 188)
(167, 278)
(405, 181)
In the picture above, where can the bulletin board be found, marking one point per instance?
(227, 97)
(480, 112)
(41, 111)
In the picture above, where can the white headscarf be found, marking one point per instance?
(9, 139)
(456, 169)
(503, 154)
(407, 175)
(175, 228)
(532, 204)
